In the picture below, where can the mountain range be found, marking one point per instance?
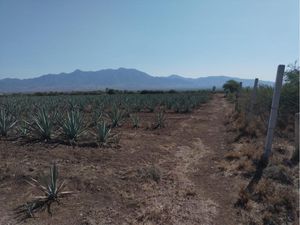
(122, 79)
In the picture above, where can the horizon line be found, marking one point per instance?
(160, 76)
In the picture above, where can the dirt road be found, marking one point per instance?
(166, 176)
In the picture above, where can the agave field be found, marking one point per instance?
(146, 158)
(67, 118)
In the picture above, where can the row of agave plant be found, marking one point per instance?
(43, 125)
(178, 102)
(73, 116)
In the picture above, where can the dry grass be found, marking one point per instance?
(274, 200)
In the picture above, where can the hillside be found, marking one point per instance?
(122, 78)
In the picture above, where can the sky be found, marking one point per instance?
(193, 38)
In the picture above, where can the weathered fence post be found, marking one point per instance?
(253, 99)
(271, 126)
(237, 95)
(273, 114)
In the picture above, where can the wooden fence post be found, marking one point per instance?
(273, 114)
(262, 164)
(253, 99)
(237, 95)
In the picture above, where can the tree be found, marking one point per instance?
(231, 86)
(289, 100)
(292, 74)
(214, 89)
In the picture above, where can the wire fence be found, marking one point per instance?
(288, 106)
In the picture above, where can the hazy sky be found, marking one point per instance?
(244, 38)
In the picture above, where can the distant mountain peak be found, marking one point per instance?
(77, 71)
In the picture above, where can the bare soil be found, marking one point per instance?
(164, 176)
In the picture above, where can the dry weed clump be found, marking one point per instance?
(278, 173)
(281, 206)
(233, 155)
(243, 159)
(269, 203)
(151, 172)
(240, 124)
(243, 199)
(274, 197)
(247, 167)
(264, 189)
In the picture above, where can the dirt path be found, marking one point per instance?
(201, 195)
(113, 185)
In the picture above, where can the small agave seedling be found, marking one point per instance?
(52, 192)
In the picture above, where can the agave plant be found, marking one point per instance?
(116, 115)
(52, 192)
(6, 122)
(103, 133)
(135, 120)
(159, 120)
(73, 125)
(97, 116)
(42, 124)
(150, 105)
(57, 117)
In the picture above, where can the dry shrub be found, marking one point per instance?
(243, 199)
(245, 128)
(263, 190)
(277, 203)
(233, 155)
(241, 150)
(151, 172)
(247, 167)
(278, 173)
(252, 153)
(284, 197)
(283, 205)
